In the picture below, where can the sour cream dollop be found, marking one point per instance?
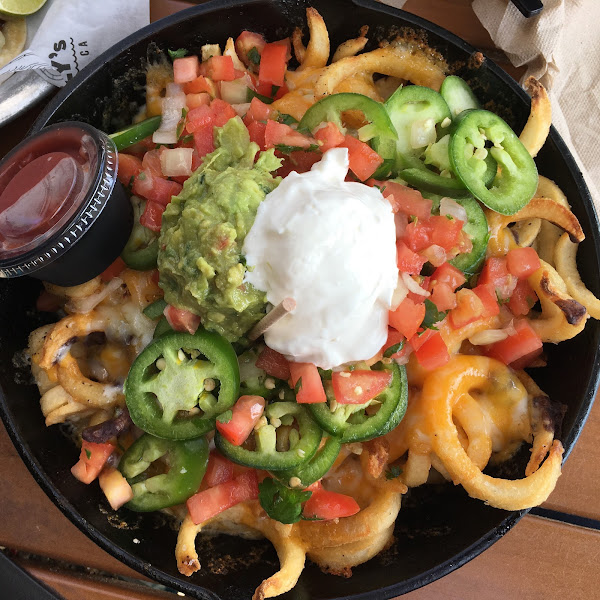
(331, 246)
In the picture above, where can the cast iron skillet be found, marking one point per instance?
(439, 528)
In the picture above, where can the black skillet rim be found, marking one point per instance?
(402, 587)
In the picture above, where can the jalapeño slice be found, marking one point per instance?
(167, 390)
(360, 422)
(141, 250)
(186, 461)
(278, 444)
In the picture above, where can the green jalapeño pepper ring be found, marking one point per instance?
(476, 228)
(186, 461)
(180, 383)
(458, 95)
(316, 467)
(135, 133)
(379, 131)
(141, 250)
(516, 180)
(271, 451)
(352, 422)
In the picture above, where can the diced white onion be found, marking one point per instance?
(236, 91)
(209, 50)
(173, 105)
(413, 286)
(489, 336)
(453, 208)
(399, 294)
(241, 109)
(435, 254)
(176, 162)
(422, 133)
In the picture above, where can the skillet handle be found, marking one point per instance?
(529, 8)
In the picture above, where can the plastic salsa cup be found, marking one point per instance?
(64, 217)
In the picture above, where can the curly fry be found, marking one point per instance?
(351, 47)
(298, 45)
(317, 51)
(440, 393)
(537, 128)
(58, 405)
(399, 60)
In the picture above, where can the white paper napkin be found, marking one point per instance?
(65, 35)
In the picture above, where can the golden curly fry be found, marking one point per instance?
(298, 45)
(537, 128)
(562, 317)
(59, 406)
(441, 391)
(351, 47)
(317, 51)
(467, 412)
(526, 231)
(565, 255)
(404, 60)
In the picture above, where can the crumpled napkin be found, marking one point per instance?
(65, 35)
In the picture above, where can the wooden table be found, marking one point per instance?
(554, 557)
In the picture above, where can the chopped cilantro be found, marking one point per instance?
(285, 149)
(88, 453)
(432, 315)
(393, 472)
(393, 349)
(178, 53)
(225, 417)
(501, 300)
(287, 119)
(254, 55)
(315, 518)
(298, 386)
(280, 502)
(252, 94)
(186, 139)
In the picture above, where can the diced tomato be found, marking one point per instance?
(522, 262)
(48, 302)
(487, 294)
(360, 386)
(469, 308)
(181, 320)
(279, 133)
(407, 318)
(287, 44)
(129, 168)
(299, 161)
(394, 337)
(200, 118)
(220, 68)
(408, 261)
(417, 340)
(92, 459)
(450, 275)
(197, 99)
(257, 111)
(526, 360)
(152, 216)
(406, 200)
(218, 470)
(114, 269)
(115, 487)
(496, 273)
(151, 162)
(273, 59)
(311, 389)
(282, 91)
(245, 413)
(329, 136)
(446, 232)
(185, 69)
(327, 505)
(208, 503)
(273, 363)
(256, 129)
(523, 298)
(223, 111)
(199, 85)
(522, 343)
(443, 296)
(156, 189)
(315, 487)
(244, 44)
(418, 235)
(433, 352)
(203, 142)
(363, 160)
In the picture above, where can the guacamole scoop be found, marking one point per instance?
(203, 231)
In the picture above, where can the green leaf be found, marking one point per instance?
(393, 349)
(252, 94)
(287, 119)
(280, 502)
(88, 453)
(225, 417)
(178, 53)
(501, 300)
(254, 56)
(393, 472)
(315, 518)
(432, 315)
(187, 138)
(298, 386)
(285, 149)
